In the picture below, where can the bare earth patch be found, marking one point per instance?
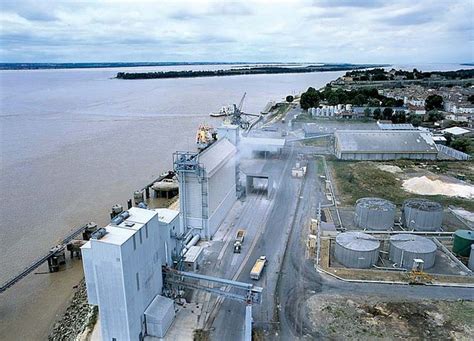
(390, 169)
(355, 318)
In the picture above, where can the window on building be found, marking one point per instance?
(138, 281)
(141, 238)
(146, 231)
(134, 242)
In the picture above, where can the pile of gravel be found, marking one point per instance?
(78, 316)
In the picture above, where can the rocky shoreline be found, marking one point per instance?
(78, 319)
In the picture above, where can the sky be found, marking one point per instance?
(353, 31)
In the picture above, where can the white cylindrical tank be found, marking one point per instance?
(404, 248)
(339, 107)
(356, 250)
(374, 214)
(348, 107)
(422, 215)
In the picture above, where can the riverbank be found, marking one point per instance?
(273, 69)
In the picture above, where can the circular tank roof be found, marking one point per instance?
(465, 234)
(413, 243)
(375, 204)
(423, 204)
(357, 241)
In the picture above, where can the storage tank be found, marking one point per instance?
(463, 239)
(348, 107)
(374, 214)
(471, 259)
(404, 248)
(422, 215)
(356, 250)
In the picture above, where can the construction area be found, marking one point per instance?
(261, 228)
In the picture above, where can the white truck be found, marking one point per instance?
(258, 267)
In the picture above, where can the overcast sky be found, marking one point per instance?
(376, 31)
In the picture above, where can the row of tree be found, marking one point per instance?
(358, 97)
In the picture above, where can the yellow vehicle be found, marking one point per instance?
(258, 268)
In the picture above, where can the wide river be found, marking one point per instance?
(75, 142)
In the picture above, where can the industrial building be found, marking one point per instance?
(122, 267)
(207, 186)
(265, 146)
(384, 145)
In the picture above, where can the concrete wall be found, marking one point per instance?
(221, 195)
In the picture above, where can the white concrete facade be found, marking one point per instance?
(206, 196)
(123, 273)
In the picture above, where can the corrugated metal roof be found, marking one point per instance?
(398, 126)
(219, 152)
(357, 241)
(386, 141)
(264, 141)
(413, 243)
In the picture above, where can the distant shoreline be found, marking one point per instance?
(47, 66)
(273, 69)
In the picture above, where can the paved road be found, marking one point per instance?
(229, 321)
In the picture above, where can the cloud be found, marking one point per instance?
(262, 30)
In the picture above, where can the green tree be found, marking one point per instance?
(309, 99)
(462, 144)
(289, 98)
(377, 114)
(449, 138)
(415, 120)
(359, 100)
(435, 116)
(399, 117)
(434, 102)
(387, 113)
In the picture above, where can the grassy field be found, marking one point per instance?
(356, 180)
(317, 142)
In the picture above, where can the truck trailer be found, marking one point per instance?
(258, 267)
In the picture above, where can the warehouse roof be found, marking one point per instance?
(140, 215)
(397, 126)
(386, 141)
(455, 131)
(218, 153)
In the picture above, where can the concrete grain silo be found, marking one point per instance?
(357, 250)
(404, 248)
(422, 215)
(374, 214)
